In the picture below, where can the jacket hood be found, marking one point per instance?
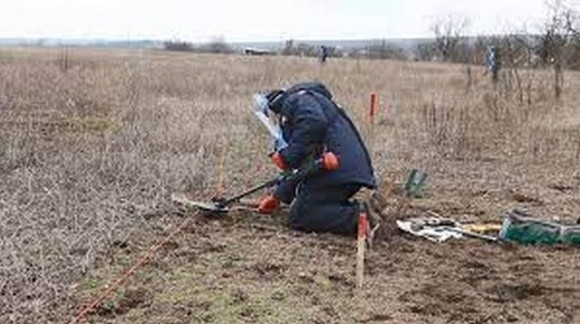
(279, 103)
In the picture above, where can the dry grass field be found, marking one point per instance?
(90, 156)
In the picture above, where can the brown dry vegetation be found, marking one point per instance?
(90, 156)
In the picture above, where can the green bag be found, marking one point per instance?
(571, 235)
(519, 227)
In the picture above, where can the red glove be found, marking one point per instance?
(276, 158)
(268, 205)
(330, 161)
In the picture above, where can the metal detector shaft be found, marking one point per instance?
(249, 192)
(282, 177)
(220, 205)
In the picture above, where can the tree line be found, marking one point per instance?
(557, 44)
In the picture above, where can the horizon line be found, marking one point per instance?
(225, 39)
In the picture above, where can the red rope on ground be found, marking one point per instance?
(85, 310)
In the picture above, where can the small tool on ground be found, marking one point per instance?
(327, 162)
(484, 237)
(411, 189)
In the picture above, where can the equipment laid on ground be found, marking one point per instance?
(414, 183)
(411, 189)
(431, 228)
(483, 228)
(519, 227)
(472, 234)
(219, 205)
(438, 229)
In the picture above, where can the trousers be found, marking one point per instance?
(316, 207)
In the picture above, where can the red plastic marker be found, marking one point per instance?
(363, 225)
(373, 108)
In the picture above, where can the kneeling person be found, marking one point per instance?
(311, 125)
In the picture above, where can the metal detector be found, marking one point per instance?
(220, 205)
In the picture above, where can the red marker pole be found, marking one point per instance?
(362, 229)
(373, 108)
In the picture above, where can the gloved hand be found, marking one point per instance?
(330, 161)
(277, 160)
(268, 204)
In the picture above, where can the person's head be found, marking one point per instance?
(274, 102)
(277, 99)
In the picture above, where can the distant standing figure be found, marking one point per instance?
(493, 62)
(324, 54)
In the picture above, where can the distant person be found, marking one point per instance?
(493, 62)
(324, 54)
(312, 123)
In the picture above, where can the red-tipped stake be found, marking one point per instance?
(362, 232)
(373, 108)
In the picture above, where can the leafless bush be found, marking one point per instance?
(449, 32)
(477, 123)
(299, 49)
(560, 42)
(177, 45)
(217, 45)
(64, 63)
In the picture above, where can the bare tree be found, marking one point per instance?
(517, 60)
(218, 45)
(560, 41)
(288, 48)
(177, 45)
(449, 31)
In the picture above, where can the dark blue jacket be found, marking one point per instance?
(311, 123)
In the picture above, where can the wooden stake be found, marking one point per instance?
(361, 245)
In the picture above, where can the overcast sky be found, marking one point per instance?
(256, 20)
